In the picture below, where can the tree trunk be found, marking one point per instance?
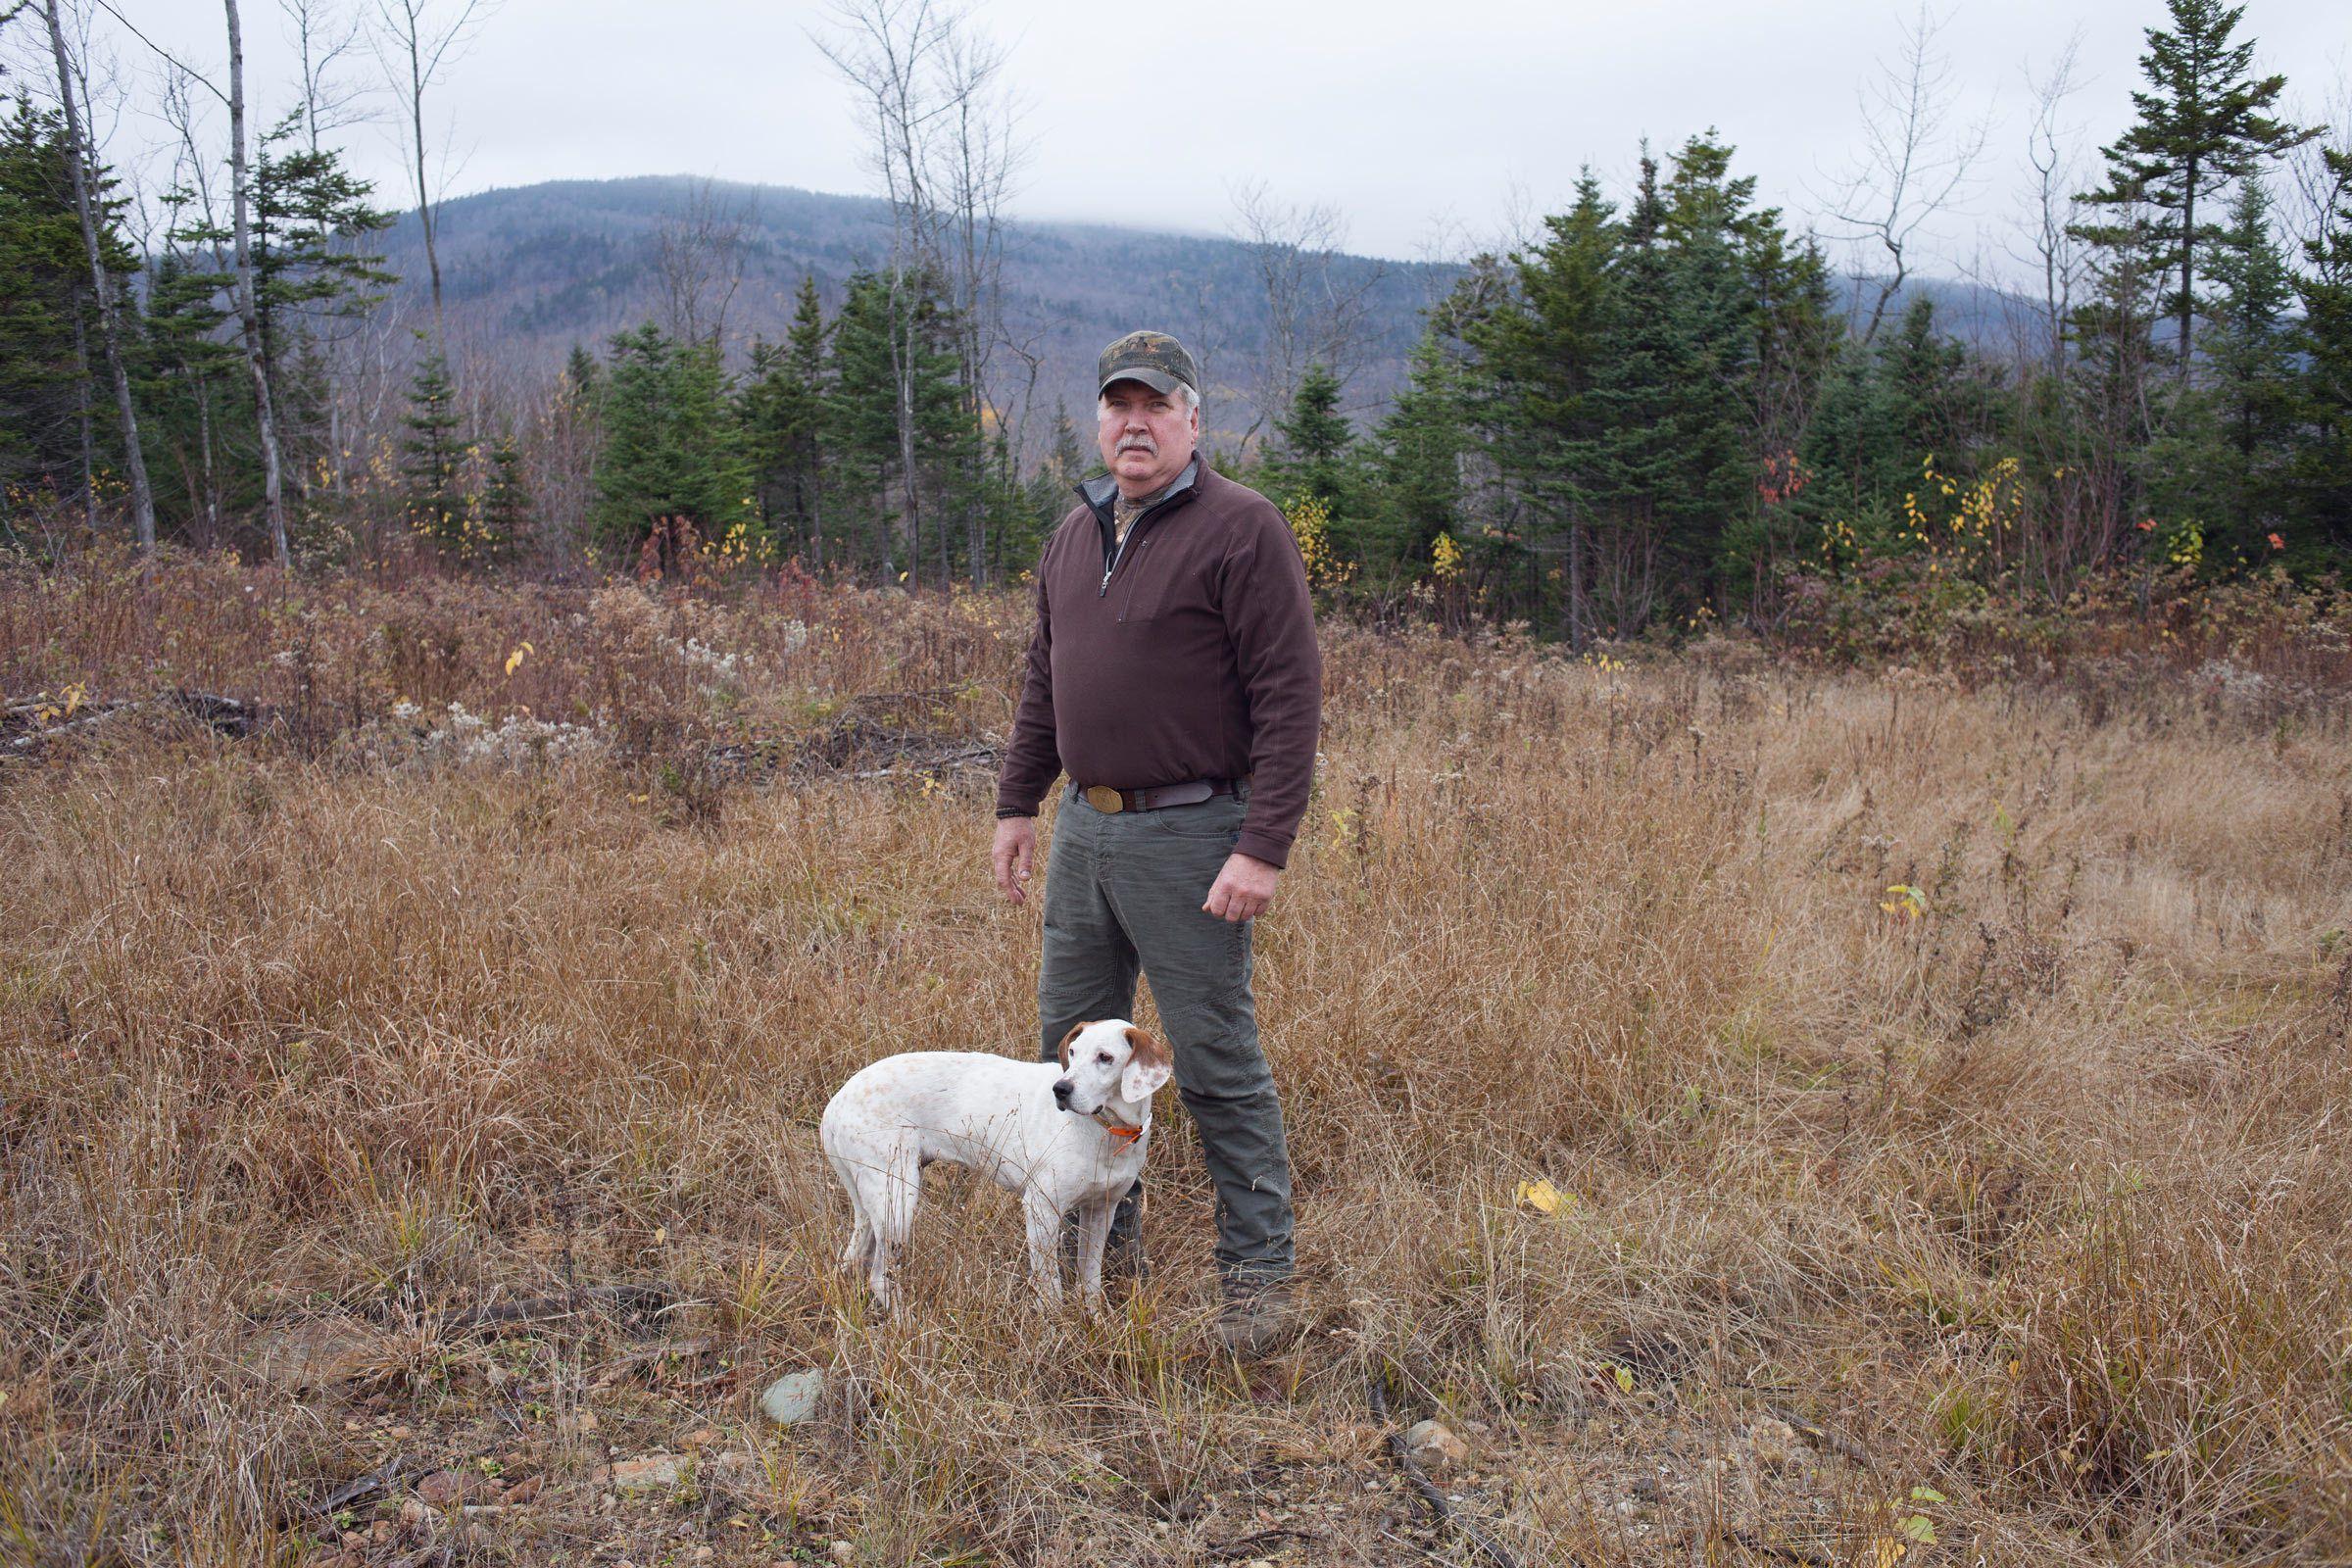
(86, 200)
(424, 205)
(1577, 636)
(82, 418)
(265, 417)
(2188, 241)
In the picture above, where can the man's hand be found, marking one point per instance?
(1014, 849)
(1244, 889)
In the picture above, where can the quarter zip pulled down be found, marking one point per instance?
(1112, 554)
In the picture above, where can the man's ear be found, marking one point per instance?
(1063, 1049)
(1147, 1068)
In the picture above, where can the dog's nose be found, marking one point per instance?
(1061, 1090)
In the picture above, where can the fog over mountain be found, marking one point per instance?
(532, 270)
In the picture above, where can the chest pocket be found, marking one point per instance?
(1142, 586)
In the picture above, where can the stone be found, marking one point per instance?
(526, 1492)
(793, 1397)
(1435, 1444)
(316, 1353)
(841, 1552)
(650, 1473)
(446, 1489)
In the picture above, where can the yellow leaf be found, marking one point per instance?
(515, 658)
(1542, 1196)
(1625, 1379)
(1886, 1552)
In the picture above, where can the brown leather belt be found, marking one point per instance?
(1103, 798)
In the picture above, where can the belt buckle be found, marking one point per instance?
(1103, 798)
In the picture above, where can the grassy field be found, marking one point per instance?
(1945, 1079)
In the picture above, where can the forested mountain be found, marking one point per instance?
(532, 270)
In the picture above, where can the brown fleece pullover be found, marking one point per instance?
(1186, 653)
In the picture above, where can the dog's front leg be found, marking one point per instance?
(1094, 1233)
(1044, 1245)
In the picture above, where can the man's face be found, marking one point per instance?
(1146, 437)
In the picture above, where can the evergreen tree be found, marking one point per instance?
(196, 407)
(1317, 443)
(1541, 348)
(1051, 490)
(1912, 396)
(1420, 447)
(2224, 462)
(2321, 474)
(875, 327)
(505, 496)
(784, 415)
(2203, 123)
(58, 431)
(1714, 320)
(2110, 402)
(672, 448)
(432, 455)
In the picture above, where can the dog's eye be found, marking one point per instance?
(1104, 1056)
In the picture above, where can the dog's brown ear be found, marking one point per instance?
(1142, 1047)
(1063, 1049)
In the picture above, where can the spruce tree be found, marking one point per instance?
(2321, 475)
(431, 456)
(1317, 444)
(672, 449)
(875, 327)
(1541, 348)
(43, 387)
(505, 496)
(2224, 462)
(2204, 124)
(1420, 447)
(784, 413)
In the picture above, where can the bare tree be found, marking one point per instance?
(1913, 164)
(2319, 172)
(323, 37)
(83, 165)
(943, 145)
(419, 38)
(240, 196)
(2052, 249)
(698, 258)
(1318, 311)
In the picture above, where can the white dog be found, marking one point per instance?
(1067, 1138)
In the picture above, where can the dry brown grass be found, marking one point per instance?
(2040, 1199)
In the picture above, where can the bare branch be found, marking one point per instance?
(1913, 164)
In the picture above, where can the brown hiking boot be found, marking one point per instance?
(1257, 1320)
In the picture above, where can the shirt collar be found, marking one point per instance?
(1103, 493)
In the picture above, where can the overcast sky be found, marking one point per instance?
(1431, 125)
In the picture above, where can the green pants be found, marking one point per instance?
(1123, 892)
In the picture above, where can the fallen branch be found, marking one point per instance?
(635, 1301)
(1819, 1435)
(1429, 1492)
(377, 1479)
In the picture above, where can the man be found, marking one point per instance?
(1174, 675)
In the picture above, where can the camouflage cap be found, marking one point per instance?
(1154, 359)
